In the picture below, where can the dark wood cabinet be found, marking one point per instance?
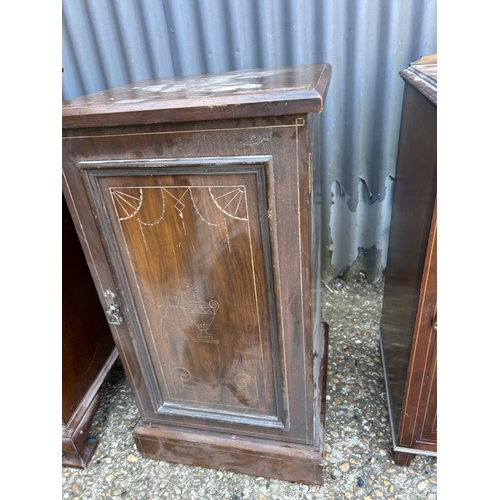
(88, 350)
(197, 205)
(409, 314)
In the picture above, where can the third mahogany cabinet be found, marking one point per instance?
(408, 325)
(197, 200)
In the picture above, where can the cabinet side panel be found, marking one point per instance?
(315, 229)
(319, 333)
(414, 196)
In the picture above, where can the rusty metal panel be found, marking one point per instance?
(107, 43)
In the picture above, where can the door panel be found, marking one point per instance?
(192, 254)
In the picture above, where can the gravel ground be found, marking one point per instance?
(359, 461)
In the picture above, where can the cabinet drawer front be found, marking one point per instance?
(190, 247)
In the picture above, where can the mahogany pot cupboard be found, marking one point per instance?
(197, 204)
(88, 350)
(408, 328)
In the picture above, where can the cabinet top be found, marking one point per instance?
(236, 94)
(422, 74)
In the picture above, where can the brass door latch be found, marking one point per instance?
(112, 311)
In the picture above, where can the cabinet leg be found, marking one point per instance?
(401, 458)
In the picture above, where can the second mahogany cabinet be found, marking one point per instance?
(197, 205)
(408, 325)
(88, 350)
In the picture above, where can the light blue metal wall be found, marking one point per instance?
(107, 43)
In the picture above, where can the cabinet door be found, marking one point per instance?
(419, 415)
(189, 245)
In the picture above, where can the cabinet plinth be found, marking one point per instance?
(197, 201)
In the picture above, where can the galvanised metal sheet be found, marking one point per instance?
(107, 43)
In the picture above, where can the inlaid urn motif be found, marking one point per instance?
(201, 314)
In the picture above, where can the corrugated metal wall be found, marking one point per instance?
(107, 43)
